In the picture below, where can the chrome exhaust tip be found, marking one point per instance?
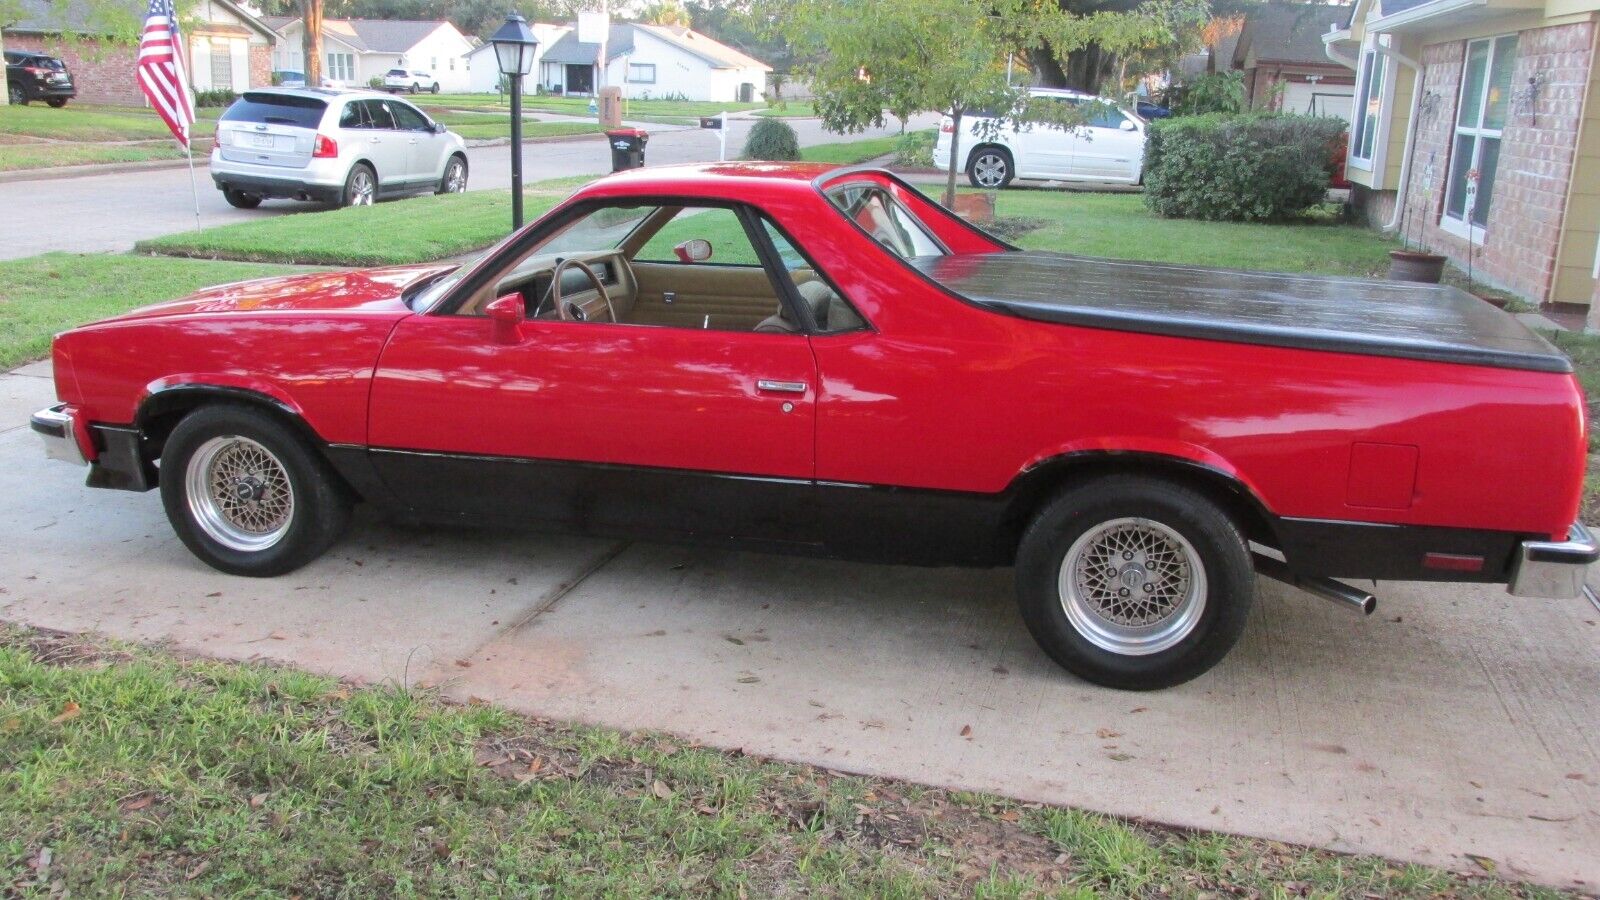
(1353, 599)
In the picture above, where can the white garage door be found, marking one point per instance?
(1318, 100)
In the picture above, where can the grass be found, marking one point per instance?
(1119, 226)
(579, 106)
(43, 295)
(402, 231)
(790, 109)
(15, 157)
(849, 153)
(79, 122)
(132, 771)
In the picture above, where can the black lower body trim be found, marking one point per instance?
(123, 464)
(286, 188)
(1339, 549)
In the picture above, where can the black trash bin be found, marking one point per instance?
(627, 147)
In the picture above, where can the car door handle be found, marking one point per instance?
(782, 387)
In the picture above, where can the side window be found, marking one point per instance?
(352, 116)
(870, 207)
(378, 112)
(1103, 115)
(730, 246)
(832, 312)
(409, 118)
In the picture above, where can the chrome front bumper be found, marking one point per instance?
(1554, 569)
(59, 432)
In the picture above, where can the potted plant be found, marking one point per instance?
(1415, 265)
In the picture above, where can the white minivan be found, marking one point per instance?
(1108, 145)
(334, 146)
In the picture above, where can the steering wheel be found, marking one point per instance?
(574, 312)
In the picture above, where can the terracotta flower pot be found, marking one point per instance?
(1411, 265)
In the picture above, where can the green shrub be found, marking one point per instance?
(915, 149)
(1239, 167)
(214, 98)
(1219, 92)
(772, 139)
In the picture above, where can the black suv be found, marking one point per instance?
(34, 76)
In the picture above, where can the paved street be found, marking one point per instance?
(111, 212)
(1457, 720)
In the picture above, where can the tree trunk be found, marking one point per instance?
(311, 42)
(949, 200)
(7, 100)
(1085, 69)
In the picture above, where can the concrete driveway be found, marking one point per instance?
(1455, 721)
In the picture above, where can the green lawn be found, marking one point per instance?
(579, 106)
(43, 295)
(790, 109)
(849, 153)
(79, 122)
(42, 156)
(129, 771)
(1119, 226)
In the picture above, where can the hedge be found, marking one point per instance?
(1239, 167)
(771, 139)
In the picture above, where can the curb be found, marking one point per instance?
(58, 172)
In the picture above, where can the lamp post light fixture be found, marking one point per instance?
(513, 48)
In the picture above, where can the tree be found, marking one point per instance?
(909, 56)
(311, 40)
(1104, 35)
(664, 12)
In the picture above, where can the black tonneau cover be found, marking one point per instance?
(1343, 315)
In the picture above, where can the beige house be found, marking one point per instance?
(1476, 133)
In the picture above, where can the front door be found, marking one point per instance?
(1110, 146)
(580, 79)
(704, 428)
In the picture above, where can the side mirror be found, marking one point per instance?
(439, 128)
(506, 314)
(695, 251)
(1128, 126)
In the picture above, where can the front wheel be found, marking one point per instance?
(455, 177)
(57, 102)
(1134, 583)
(990, 168)
(247, 495)
(435, 88)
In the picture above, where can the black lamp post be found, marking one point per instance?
(513, 49)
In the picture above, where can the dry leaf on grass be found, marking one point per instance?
(69, 712)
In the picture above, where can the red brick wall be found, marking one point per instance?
(260, 65)
(102, 71)
(1537, 149)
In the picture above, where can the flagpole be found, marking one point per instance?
(194, 186)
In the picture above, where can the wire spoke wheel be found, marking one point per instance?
(1132, 586)
(239, 493)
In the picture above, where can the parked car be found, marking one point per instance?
(34, 76)
(1107, 146)
(1151, 111)
(410, 80)
(332, 146)
(798, 358)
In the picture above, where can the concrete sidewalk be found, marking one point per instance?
(1458, 720)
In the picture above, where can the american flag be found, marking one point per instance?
(163, 73)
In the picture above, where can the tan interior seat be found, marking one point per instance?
(817, 295)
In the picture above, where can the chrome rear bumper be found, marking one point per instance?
(56, 427)
(1554, 569)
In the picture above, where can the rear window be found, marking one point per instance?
(276, 109)
(398, 73)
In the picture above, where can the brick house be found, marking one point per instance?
(1278, 47)
(229, 49)
(1476, 134)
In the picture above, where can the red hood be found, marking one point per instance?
(375, 290)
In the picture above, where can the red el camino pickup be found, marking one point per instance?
(796, 358)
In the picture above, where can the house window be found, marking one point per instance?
(641, 73)
(1369, 108)
(221, 66)
(342, 66)
(452, 63)
(1480, 116)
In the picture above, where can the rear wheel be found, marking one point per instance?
(247, 495)
(413, 89)
(17, 95)
(241, 200)
(435, 88)
(360, 186)
(455, 177)
(1134, 583)
(57, 102)
(990, 168)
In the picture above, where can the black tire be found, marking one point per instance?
(413, 89)
(445, 184)
(57, 102)
(17, 95)
(240, 200)
(353, 191)
(985, 156)
(321, 503)
(435, 88)
(1212, 537)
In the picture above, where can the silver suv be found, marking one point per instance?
(410, 80)
(333, 146)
